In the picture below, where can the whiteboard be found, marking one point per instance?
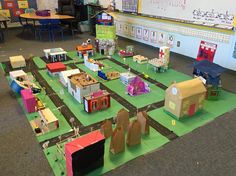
(211, 11)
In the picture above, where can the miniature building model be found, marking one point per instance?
(55, 54)
(85, 154)
(134, 133)
(106, 128)
(82, 84)
(105, 46)
(128, 52)
(137, 87)
(29, 100)
(49, 119)
(65, 74)
(97, 101)
(55, 68)
(85, 49)
(122, 119)
(17, 61)
(210, 75)
(18, 75)
(140, 59)
(109, 75)
(126, 78)
(164, 53)
(142, 117)
(185, 98)
(117, 143)
(92, 64)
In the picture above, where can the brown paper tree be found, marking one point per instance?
(142, 117)
(117, 144)
(106, 128)
(122, 119)
(134, 133)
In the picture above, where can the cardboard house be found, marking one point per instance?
(126, 78)
(137, 87)
(65, 74)
(29, 100)
(85, 154)
(17, 61)
(82, 84)
(142, 117)
(117, 144)
(185, 98)
(49, 119)
(85, 48)
(92, 64)
(106, 128)
(55, 54)
(134, 133)
(55, 68)
(18, 75)
(122, 119)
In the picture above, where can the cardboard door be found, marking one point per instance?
(191, 110)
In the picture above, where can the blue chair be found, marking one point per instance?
(26, 23)
(56, 27)
(43, 27)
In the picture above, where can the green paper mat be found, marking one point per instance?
(39, 62)
(211, 110)
(149, 143)
(77, 108)
(64, 126)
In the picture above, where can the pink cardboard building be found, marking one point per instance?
(29, 100)
(85, 153)
(137, 87)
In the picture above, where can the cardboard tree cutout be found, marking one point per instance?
(122, 119)
(117, 144)
(142, 117)
(134, 133)
(106, 128)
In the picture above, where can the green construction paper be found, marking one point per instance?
(149, 143)
(211, 110)
(78, 109)
(39, 62)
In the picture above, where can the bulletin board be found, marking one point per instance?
(13, 8)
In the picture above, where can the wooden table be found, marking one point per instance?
(53, 16)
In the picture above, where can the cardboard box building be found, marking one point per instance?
(122, 119)
(65, 74)
(185, 98)
(134, 133)
(17, 61)
(117, 143)
(55, 54)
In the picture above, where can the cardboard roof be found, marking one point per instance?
(84, 48)
(210, 68)
(56, 67)
(190, 88)
(84, 141)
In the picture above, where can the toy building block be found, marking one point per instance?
(55, 54)
(185, 98)
(49, 119)
(106, 128)
(17, 61)
(126, 78)
(134, 133)
(92, 64)
(137, 87)
(117, 144)
(28, 99)
(210, 74)
(85, 154)
(109, 75)
(65, 74)
(97, 101)
(122, 119)
(82, 84)
(85, 48)
(18, 75)
(140, 59)
(55, 68)
(142, 117)
(129, 52)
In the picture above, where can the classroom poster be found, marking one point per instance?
(17, 12)
(153, 36)
(23, 4)
(206, 51)
(0, 5)
(146, 34)
(126, 29)
(5, 12)
(234, 53)
(139, 33)
(161, 38)
(132, 32)
(9, 4)
(170, 40)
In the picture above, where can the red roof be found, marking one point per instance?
(56, 67)
(84, 141)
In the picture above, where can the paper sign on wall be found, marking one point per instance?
(206, 51)
(153, 36)
(145, 34)
(161, 38)
(17, 12)
(9, 4)
(132, 32)
(23, 4)
(5, 12)
(170, 41)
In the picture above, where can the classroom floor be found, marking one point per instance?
(208, 150)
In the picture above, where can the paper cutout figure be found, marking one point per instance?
(117, 144)
(106, 128)
(142, 117)
(122, 119)
(134, 133)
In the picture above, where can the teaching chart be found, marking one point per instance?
(211, 11)
(130, 6)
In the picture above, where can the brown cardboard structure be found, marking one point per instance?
(134, 133)
(17, 61)
(117, 143)
(122, 119)
(142, 117)
(185, 98)
(106, 128)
